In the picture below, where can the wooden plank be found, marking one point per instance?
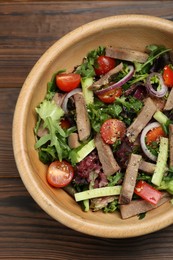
(29, 233)
(27, 29)
(39, 24)
(8, 97)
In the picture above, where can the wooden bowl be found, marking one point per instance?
(130, 31)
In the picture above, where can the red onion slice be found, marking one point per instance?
(119, 83)
(142, 140)
(70, 94)
(156, 93)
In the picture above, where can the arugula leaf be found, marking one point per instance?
(86, 69)
(111, 207)
(113, 179)
(54, 144)
(155, 51)
(132, 104)
(43, 140)
(47, 155)
(52, 87)
(99, 112)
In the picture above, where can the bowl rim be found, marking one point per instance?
(19, 135)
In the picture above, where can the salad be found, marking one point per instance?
(105, 130)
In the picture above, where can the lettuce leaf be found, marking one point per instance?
(49, 109)
(53, 145)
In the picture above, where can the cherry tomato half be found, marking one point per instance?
(110, 96)
(168, 75)
(154, 135)
(112, 130)
(60, 174)
(104, 64)
(67, 81)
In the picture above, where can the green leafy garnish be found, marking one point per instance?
(155, 51)
(114, 179)
(56, 139)
(132, 104)
(86, 69)
(52, 87)
(111, 207)
(49, 109)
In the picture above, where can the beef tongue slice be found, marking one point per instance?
(140, 206)
(142, 120)
(130, 179)
(82, 119)
(106, 157)
(169, 102)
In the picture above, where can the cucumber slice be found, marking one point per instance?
(98, 192)
(88, 94)
(161, 162)
(161, 118)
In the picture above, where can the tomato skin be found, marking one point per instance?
(59, 174)
(147, 192)
(110, 96)
(105, 64)
(68, 81)
(65, 123)
(168, 76)
(112, 130)
(154, 135)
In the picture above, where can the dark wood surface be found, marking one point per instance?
(27, 29)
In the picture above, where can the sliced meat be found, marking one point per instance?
(142, 120)
(105, 79)
(59, 98)
(147, 167)
(171, 145)
(159, 102)
(169, 102)
(99, 203)
(73, 140)
(140, 206)
(126, 54)
(130, 179)
(106, 157)
(82, 119)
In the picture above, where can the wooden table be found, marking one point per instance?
(27, 29)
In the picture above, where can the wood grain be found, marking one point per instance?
(29, 233)
(27, 29)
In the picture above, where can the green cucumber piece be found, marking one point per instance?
(161, 118)
(161, 162)
(85, 205)
(85, 150)
(98, 192)
(88, 94)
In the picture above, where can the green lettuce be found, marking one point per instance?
(53, 145)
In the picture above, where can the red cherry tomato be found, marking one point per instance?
(154, 135)
(60, 174)
(112, 130)
(65, 124)
(168, 75)
(147, 192)
(67, 82)
(110, 96)
(104, 64)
